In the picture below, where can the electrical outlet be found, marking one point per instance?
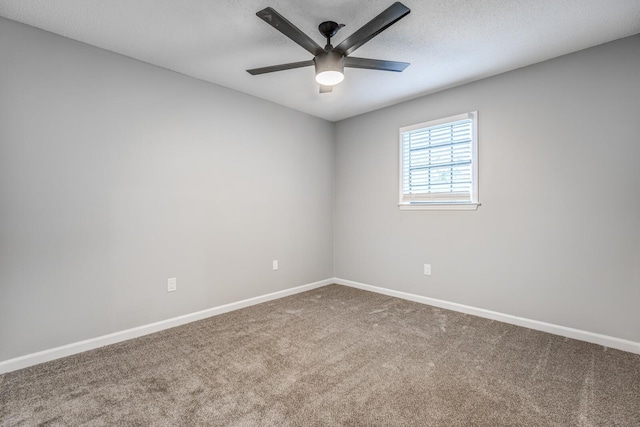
(427, 269)
(172, 284)
(275, 264)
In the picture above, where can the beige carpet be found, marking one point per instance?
(333, 356)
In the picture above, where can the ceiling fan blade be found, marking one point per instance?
(388, 17)
(280, 23)
(326, 89)
(281, 67)
(375, 64)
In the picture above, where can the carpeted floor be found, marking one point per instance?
(333, 356)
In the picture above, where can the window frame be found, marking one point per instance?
(440, 204)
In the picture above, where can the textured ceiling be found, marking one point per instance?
(447, 42)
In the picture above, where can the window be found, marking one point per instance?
(439, 164)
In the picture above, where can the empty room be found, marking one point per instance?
(376, 213)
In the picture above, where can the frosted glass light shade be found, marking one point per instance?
(329, 78)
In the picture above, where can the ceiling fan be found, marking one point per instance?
(330, 61)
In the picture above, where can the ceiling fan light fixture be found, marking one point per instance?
(329, 78)
(329, 68)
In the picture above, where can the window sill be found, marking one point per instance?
(439, 206)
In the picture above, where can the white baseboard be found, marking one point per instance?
(604, 340)
(90, 344)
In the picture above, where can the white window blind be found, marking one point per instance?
(438, 162)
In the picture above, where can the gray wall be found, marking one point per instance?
(557, 238)
(115, 175)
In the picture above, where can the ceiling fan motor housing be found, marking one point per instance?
(329, 68)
